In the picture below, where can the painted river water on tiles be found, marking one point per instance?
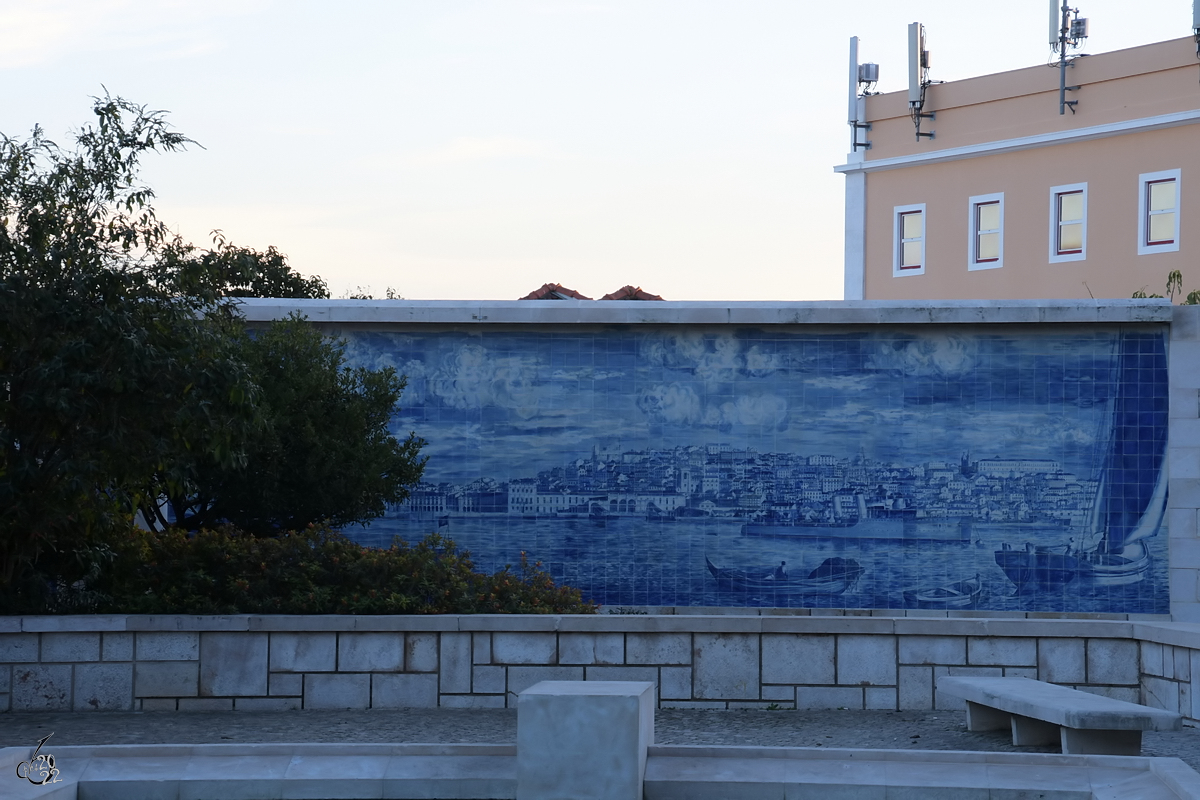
(635, 563)
(860, 469)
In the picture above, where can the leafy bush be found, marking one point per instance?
(314, 571)
(126, 374)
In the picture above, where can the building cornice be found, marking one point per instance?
(1141, 125)
(368, 313)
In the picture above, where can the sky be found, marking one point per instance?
(466, 149)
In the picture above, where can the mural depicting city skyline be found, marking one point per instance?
(882, 468)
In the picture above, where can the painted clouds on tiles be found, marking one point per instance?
(470, 377)
(710, 369)
(709, 358)
(940, 355)
(894, 396)
(679, 404)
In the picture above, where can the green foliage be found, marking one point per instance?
(231, 271)
(325, 452)
(1174, 283)
(314, 571)
(106, 366)
(1174, 287)
(126, 374)
(365, 293)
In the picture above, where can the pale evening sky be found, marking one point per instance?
(464, 149)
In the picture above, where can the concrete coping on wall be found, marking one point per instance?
(634, 312)
(1178, 634)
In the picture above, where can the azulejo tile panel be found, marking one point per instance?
(752, 467)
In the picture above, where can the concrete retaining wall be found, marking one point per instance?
(253, 663)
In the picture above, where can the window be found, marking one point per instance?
(1068, 223)
(908, 240)
(1158, 212)
(986, 247)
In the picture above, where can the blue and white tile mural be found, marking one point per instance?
(750, 467)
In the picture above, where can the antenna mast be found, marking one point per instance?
(1196, 24)
(1067, 31)
(865, 75)
(918, 78)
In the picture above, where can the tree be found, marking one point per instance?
(324, 453)
(107, 366)
(231, 271)
(126, 374)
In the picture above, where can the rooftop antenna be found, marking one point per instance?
(1196, 24)
(1067, 31)
(918, 78)
(864, 75)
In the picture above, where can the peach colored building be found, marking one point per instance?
(1010, 199)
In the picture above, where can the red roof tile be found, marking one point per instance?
(630, 293)
(554, 291)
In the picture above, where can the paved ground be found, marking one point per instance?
(917, 730)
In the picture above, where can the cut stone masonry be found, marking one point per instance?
(695, 661)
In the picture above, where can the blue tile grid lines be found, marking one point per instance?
(750, 467)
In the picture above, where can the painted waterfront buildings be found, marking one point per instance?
(716, 480)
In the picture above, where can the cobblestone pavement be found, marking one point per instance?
(903, 730)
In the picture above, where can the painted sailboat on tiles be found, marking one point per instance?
(1131, 498)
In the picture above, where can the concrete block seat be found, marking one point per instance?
(1042, 713)
(585, 739)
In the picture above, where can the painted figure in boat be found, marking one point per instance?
(1131, 499)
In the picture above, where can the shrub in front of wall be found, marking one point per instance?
(315, 571)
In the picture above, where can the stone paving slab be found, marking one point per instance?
(247, 771)
(274, 772)
(673, 773)
(908, 730)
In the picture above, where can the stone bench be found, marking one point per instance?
(1043, 713)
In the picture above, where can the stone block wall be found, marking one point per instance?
(250, 663)
(1170, 667)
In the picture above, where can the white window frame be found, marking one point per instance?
(972, 225)
(1144, 181)
(1070, 188)
(897, 216)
